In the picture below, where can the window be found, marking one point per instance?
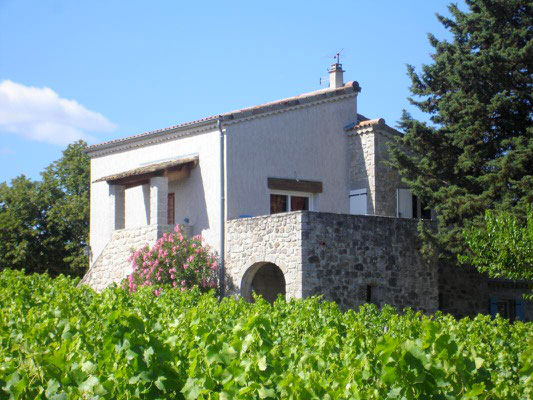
(404, 204)
(368, 293)
(171, 213)
(507, 308)
(284, 202)
(410, 206)
(358, 202)
(278, 203)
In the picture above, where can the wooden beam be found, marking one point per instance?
(296, 185)
(135, 180)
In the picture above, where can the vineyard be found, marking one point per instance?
(58, 341)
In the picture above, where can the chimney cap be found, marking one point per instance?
(336, 67)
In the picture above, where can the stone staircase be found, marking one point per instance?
(112, 265)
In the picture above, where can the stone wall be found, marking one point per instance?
(252, 242)
(347, 258)
(112, 266)
(368, 147)
(387, 179)
(464, 292)
(335, 255)
(362, 166)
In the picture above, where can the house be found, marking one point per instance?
(297, 191)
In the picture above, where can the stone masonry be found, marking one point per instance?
(254, 242)
(353, 259)
(368, 148)
(113, 265)
(349, 259)
(338, 256)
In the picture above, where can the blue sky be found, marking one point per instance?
(117, 68)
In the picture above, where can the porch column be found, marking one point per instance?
(117, 207)
(158, 200)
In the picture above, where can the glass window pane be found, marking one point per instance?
(278, 203)
(299, 203)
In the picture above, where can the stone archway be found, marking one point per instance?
(263, 278)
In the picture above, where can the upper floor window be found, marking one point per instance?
(289, 201)
(410, 206)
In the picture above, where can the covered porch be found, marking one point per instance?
(147, 195)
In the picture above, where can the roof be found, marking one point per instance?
(348, 88)
(148, 170)
(363, 122)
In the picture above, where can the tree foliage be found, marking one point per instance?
(502, 247)
(44, 225)
(477, 151)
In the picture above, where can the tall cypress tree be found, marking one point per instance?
(477, 151)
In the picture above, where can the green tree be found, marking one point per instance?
(476, 153)
(20, 225)
(44, 225)
(502, 246)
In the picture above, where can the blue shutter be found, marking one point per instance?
(519, 309)
(493, 307)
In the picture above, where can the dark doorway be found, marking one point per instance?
(265, 279)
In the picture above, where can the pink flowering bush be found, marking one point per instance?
(174, 260)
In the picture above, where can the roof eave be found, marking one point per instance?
(349, 89)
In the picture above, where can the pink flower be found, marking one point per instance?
(185, 266)
(156, 292)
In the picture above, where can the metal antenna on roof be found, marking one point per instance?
(338, 56)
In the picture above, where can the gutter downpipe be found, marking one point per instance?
(221, 266)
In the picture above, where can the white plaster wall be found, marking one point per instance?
(200, 203)
(137, 206)
(308, 143)
(190, 200)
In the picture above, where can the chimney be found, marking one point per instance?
(335, 76)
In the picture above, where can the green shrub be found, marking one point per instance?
(58, 341)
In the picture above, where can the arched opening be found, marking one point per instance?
(266, 279)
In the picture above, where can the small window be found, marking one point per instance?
(410, 206)
(507, 308)
(281, 202)
(404, 203)
(368, 293)
(171, 213)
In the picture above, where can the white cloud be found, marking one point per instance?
(40, 114)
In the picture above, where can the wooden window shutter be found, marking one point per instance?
(170, 214)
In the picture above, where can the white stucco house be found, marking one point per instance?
(271, 188)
